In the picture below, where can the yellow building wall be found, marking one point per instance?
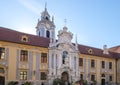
(118, 71)
(97, 70)
(12, 63)
(13, 47)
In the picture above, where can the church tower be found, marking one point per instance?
(45, 27)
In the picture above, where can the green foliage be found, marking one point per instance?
(57, 80)
(11, 83)
(27, 83)
(94, 82)
(84, 82)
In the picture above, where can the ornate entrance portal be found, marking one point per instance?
(65, 76)
(2, 80)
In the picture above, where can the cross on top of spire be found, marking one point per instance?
(65, 21)
(45, 6)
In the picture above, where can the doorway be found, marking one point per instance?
(2, 80)
(65, 76)
(102, 81)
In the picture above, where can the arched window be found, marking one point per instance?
(47, 34)
(65, 53)
(39, 33)
(103, 75)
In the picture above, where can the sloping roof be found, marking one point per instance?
(115, 49)
(15, 37)
(97, 52)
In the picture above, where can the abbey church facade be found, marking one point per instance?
(42, 58)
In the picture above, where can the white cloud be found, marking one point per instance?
(31, 5)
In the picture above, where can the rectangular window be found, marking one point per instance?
(110, 78)
(92, 77)
(2, 53)
(80, 61)
(23, 75)
(43, 57)
(81, 76)
(24, 55)
(110, 65)
(1, 70)
(92, 63)
(43, 76)
(103, 64)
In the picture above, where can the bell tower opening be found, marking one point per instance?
(47, 34)
(45, 26)
(47, 18)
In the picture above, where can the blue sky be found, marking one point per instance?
(96, 22)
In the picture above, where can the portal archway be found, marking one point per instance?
(102, 79)
(2, 80)
(65, 76)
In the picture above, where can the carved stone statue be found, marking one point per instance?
(67, 61)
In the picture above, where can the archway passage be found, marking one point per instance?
(65, 76)
(102, 81)
(2, 80)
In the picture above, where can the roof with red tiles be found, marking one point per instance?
(115, 49)
(97, 52)
(34, 40)
(15, 37)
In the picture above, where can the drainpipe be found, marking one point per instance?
(116, 70)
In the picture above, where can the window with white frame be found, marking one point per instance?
(43, 76)
(92, 63)
(24, 55)
(110, 65)
(92, 77)
(23, 75)
(2, 53)
(110, 78)
(103, 64)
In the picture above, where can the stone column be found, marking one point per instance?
(84, 65)
(77, 68)
(44, 32)
(60, 60)
(7, 56)
(37, 65)
(17, 64)
(30, 72)
(70, 61)
(89, 66)
(54, 64)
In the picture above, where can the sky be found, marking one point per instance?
(95, 22)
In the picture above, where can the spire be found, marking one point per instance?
(53, 19)
(45, 6)
(76, 43)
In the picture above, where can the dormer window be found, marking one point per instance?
(24, 38)
(90, 51)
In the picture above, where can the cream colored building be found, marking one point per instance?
(41, 58)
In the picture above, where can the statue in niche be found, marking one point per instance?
(65, 57)
(66, 61)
